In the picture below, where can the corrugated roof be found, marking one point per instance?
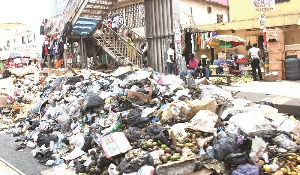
(84, 26)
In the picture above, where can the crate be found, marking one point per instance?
(277, 56)
(293, 47)
(276, 65)
(277, 38)
(271, 77)
(281, 75)
(275, 46)
(274, 32)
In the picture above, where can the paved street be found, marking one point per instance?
(284, 94)
(23, 161)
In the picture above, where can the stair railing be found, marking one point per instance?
(119, 46)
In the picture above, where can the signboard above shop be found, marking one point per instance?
(263, 5)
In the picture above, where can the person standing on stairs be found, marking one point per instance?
(130, 48)
(115, 24)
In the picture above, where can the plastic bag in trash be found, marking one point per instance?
(133, 165)
(73, 80)
(223, 146)
(43, 155)
(157, 132)
(87, 143)
(236, 158)
(267, 103)
(103, 161)
(65, 122)
(246, 169)
(134, 119)
(133, 134)
(286, 143)
(80, 168)
(93, 100)
(44, 139)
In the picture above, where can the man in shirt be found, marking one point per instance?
(255, 54)
(203, 66)
(171, 59)
(115, 23)
(193, 62)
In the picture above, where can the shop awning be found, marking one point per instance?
(84, 26)
(273, 21)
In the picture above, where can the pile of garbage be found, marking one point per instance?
(142, 121)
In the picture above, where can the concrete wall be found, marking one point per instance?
(194, 12)
(244, 10)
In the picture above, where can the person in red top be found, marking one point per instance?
(191, 66)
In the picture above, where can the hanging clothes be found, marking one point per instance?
(203, 41)
(199, 41)
(196, 43)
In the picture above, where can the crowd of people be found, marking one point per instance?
(201, 68)
(194, 69)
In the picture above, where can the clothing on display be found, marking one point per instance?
(199, 40)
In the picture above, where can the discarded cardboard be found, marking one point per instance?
(3, 100)
(115, 144)
(296, 129)
(188, 109)
(141, 96)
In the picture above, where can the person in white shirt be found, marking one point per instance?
(255, 54)
(115, 22)
(171, 58)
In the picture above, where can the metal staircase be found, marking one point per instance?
(116, 45)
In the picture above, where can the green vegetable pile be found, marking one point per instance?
(235, 79)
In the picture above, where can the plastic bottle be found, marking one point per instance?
(117, 126)
(210, 151)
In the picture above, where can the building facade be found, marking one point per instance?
(25, 40)
(244, 22)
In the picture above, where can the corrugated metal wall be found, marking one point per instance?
(159, 31)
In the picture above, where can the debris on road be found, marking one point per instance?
(142, 121)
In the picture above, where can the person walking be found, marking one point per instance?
(115, 24)
(254, 53)
(171, 59)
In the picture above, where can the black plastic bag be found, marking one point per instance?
(157, 132)
(237, 159)
(87, 143)
(103, 161)
(43, 156)
(132, 116)
(80, 168)
(133, 134)
(33, 124)
(223, 147)
(93, 100)
(45, 139)
(133, 165)
(73, 80)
